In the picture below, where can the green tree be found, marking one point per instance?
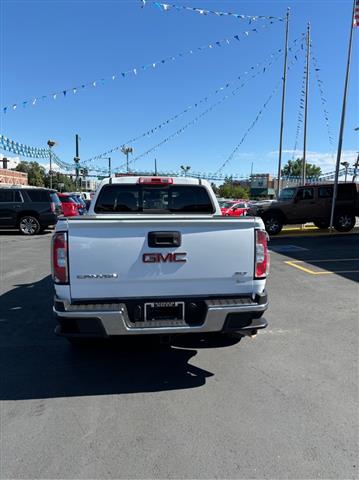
(228, 190)
(35, 172)
(60, 182)
(38, 177)
(293, 168)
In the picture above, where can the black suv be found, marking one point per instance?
(30, 210)
(310, 203)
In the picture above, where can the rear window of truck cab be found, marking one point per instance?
(137, 198)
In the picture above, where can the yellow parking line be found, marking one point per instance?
(306, 270)
(295, 263)
(329, 260)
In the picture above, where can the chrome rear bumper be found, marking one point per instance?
(109, 319)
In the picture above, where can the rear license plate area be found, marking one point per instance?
(164, 312)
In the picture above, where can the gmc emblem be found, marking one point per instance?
(164, 258)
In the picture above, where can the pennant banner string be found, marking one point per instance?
(262, 66)
(323, 101)
(195, 120)
(259, 114)
(165, 7)
(31, 152)
(64, 93)
(300, 113)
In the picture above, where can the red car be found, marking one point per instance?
(226, 205)
(69, 206)
(236, 210)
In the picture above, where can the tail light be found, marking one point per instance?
(60, 271)
(74, 209)
(262, 255)
(156, 180)
(53, 207)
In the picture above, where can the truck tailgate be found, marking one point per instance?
(106, 257)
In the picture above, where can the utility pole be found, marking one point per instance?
(50, 144)
(109, 169)
(342, 120)
(304, 161)
(185, 169)
(356, 164)
(346, 166)
(283, 101)
(126, 151)
(77, 160)
(155, 167)
(251, 179)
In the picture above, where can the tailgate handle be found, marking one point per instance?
(164, 239)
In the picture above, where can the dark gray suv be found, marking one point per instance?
(30, 210)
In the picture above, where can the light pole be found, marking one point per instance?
(356, 164)
(50, 144)
(346, 166)
(126, 151)
(185, 169)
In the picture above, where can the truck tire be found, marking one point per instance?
(322, 224)
(344, 222)
(29, 225)
(273, 223)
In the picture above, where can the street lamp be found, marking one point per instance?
(50, 144)
(346, 166)
(126, 151)
(185, 169)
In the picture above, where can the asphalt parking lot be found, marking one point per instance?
(284, 405)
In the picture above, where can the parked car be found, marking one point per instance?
(86, 195)
(31, 210)
(237, 210)
(69, 205)
(146, 260)
(81, 204)
(310, 203)
(225, 205)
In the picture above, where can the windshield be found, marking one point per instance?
(67, 199)
(55, 198)
(153, 199)
(226, 204)
(287, 193)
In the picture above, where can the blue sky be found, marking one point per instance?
(47, 46)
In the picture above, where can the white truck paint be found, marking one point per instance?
(116, 280)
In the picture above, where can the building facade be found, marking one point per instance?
(11, 177)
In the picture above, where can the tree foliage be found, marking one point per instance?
(35, 172)
(293, 168)
(38, 177)
(231, 190)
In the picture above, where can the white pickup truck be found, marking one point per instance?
(154, 255)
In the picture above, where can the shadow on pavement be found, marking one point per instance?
(37, 364)
(17, 233)
(336, 254)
